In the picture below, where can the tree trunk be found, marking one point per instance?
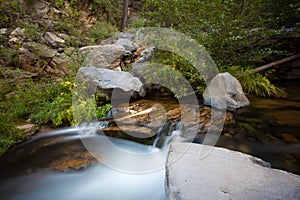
(242, 7)
(278, 62)
(125, 14)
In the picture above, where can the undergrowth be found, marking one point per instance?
(42, 101)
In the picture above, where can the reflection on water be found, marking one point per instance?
(269, 129)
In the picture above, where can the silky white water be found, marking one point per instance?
(97, 182)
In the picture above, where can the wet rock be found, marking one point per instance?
(266, 138)
(196, 171)
(104, 56)
(289, 138)
(227, 135)
(225, 92)
(79, 160)
(129, 131)
(109, 79)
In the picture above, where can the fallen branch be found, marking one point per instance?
(278, 62)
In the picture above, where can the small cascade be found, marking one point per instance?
(103, 124)
(169, 132)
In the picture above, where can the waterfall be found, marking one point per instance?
(169, 132)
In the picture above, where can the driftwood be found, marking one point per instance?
(278, 62)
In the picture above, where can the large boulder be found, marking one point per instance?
(195, 171)
(106, 79)
(107, 56)
(225, 92)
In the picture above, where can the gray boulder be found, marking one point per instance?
(103, 56)
(195, 171)
(110, 79)
(126, 43)
(225, 92)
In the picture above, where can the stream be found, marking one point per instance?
(56, 164)
(269, 129)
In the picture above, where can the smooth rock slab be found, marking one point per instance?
(195, 172)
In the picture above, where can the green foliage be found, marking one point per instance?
(57, 111)
(234, 32)
(182, 66)
(8, 11)
(28, 96)
(8, 56)
(111, 11)
(33, 32)
(256, 83)
(61, 110)
(101, 111)
(100, 31)
(9, 135)
(42, 101)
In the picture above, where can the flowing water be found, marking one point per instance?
(24, 176)
(56, 165)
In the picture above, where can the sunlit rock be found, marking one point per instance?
(225, 92)
(106, 79)
(196, 171)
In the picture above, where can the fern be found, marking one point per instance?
(256, 83)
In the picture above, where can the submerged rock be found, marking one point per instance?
(196, 171)
(225, 92)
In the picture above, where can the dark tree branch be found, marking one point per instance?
(278, 62)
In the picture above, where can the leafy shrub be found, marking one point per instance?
(182, 66)
(8, 56)
(9, 135)
(101, 30)
(61, 110)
